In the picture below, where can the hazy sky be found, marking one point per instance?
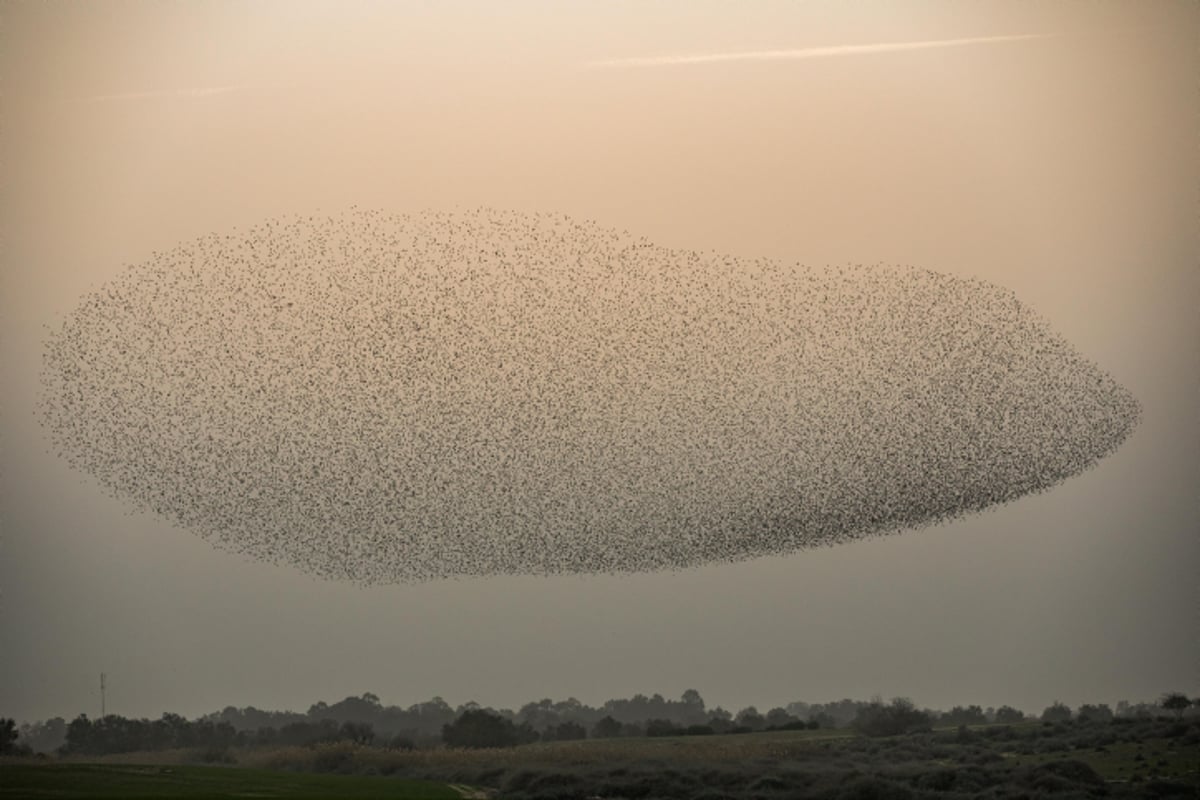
(1047, 147)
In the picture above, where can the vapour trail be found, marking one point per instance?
(808, 52)
(201, 91)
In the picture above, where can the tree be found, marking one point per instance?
(479, 728)
(661, 727)
(823, 719)
(606, 728)
(1008, 715)
(565, 732)
(1094, 713)
(1175, 701)
(1057, 712)
(749, 717)
(357, 732)
(8, 736)
(971, 715)
(899, 716)
(45, 737)
(778, 717)
(80, 736)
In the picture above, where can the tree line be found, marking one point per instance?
(367, 721)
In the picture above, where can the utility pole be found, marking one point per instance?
(103, 712)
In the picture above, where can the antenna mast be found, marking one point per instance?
(103, 712)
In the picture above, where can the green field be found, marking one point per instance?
(130, 781)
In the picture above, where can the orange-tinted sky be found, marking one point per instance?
(1062, 167)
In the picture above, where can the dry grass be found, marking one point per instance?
(684, 749)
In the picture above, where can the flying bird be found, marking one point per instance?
(384, 398)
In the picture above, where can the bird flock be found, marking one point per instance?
(386, 398)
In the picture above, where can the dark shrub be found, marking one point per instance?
(714, 794)
(489, 777)
(969, 779)
(873, 788)
(565, 732)
(1159, 788)
(606, 728)
(1075, 773)
(520, 780)
(770, 783)
(553, 780)
(661, 727)
(899, 716)
(479, 728)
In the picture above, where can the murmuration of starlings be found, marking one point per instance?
(394, 398)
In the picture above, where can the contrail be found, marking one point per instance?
(201, 91)
(808, 52)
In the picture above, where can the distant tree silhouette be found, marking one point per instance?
(1057, 712)
(400, 742)
(825, 720)
(565, 732)
(358, 732)
(661, 727)
(1176, 702)
(1094, 713)
(1008, 715)
(899, 716)
(749, 717)
(45, 737)
(480, 728)
(8, 736)
(606, 728)
(971, 715)
(778, 717)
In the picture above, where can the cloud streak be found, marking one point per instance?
(809, 52)
(157, 94)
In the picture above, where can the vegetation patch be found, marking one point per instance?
(137, 781)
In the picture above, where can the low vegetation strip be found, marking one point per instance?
(1121, 760)
(145, 781)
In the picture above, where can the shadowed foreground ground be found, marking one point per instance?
(133, 781)
(1063, 761)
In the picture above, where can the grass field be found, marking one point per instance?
(1125, 760)
(1155, 760)
(131, 781)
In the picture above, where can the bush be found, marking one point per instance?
(769, 783)
(1159, 788)
(606, 728)
(874, 788)
(1074, 773)
(1057, 712)
(477, 728)
(661, 727)
(565, 732)
(900, 716)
